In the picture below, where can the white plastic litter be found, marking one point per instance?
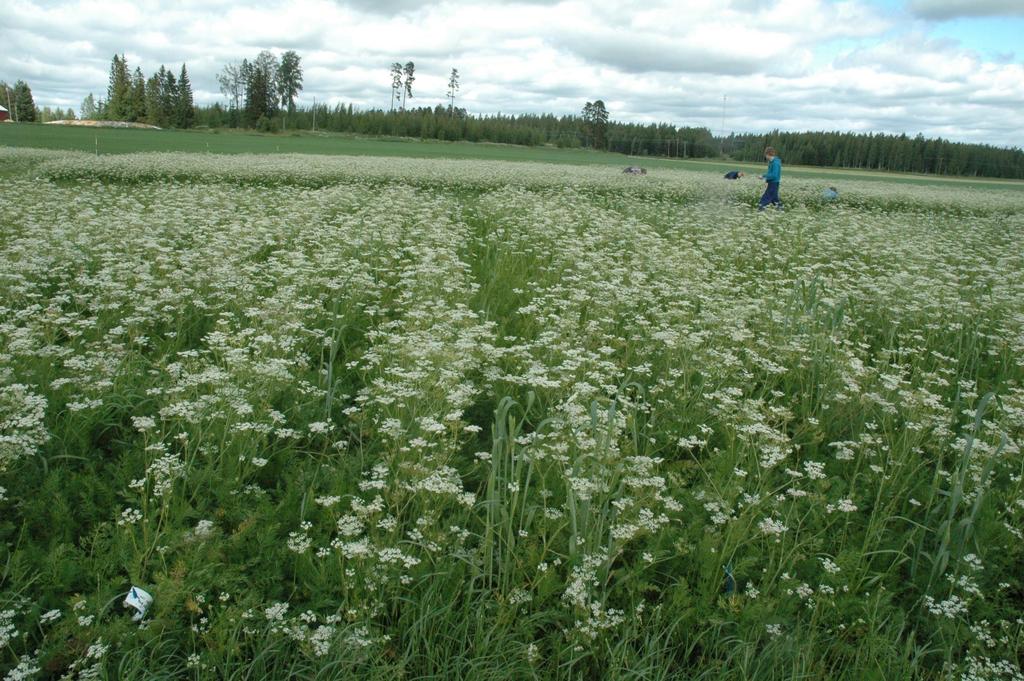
(139, 600)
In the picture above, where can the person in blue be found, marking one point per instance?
(733, 175)
(772, 177)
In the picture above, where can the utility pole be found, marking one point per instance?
(721, 130)
(314, 114)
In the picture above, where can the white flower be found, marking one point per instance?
(829, 566)
(772, 527)
(843, 505)
(129, 516)
(204, 529)
(143, 423)
(299, 542)
(276, 612)
(815, 470)
(49, 616)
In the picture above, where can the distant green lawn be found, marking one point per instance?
(124, 141)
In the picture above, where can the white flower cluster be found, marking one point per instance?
(164, 471)
(843, 506)
(27, 668)
(773, 527)
(22, 431)
(951, 608)
(8, 632)
(981, 668)
(129, 516)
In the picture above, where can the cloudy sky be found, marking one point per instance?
(950, 68)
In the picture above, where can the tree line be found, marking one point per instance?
(18, 101)
(594, 129)
(163, 99)
(878, 151)
(262, 89)
(456, 124)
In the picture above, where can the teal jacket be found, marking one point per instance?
(774, 173)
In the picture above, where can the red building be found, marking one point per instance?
(4, 115)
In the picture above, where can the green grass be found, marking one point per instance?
(125, 141)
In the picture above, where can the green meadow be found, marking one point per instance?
(376, 409)
(125, 141)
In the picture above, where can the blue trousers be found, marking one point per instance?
(771, 195)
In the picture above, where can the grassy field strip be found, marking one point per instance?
(125, 141)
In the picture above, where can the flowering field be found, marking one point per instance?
(405, 419)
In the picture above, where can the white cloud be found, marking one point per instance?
(650, 60)
(951, 9)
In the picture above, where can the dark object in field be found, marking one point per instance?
(733, 175)
(730, 581)
(635, 170)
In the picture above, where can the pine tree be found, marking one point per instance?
(24, 105)
(409, 70)
(168, 98)
(595, 122)
(186, 110)
(112, 85)
(266, 63)
(453, 86)
(396, 83)
(256, 98)
(137, 108)
(154, 112)
(118, 90)
(289, 80)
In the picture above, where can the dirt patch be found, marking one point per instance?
(106, 124)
